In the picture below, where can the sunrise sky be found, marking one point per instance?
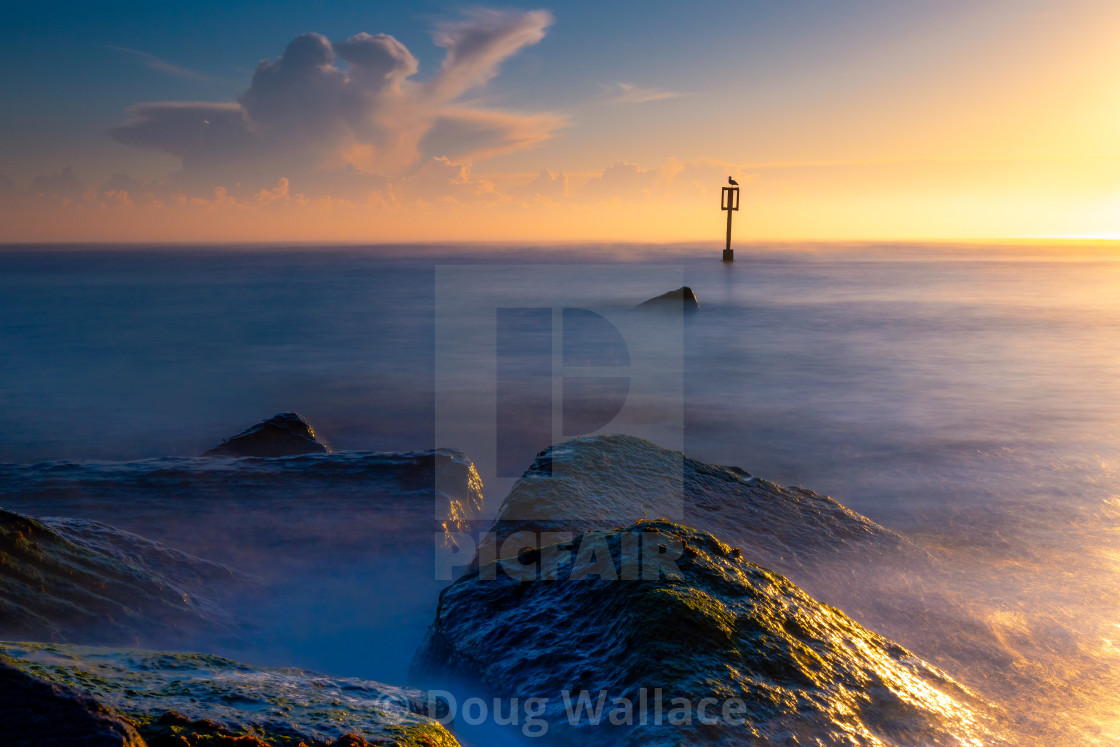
(376, 121)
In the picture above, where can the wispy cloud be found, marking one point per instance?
(158, 63)
(628, 93)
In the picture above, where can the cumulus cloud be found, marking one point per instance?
(622, 181)
(441, 180)
(324, 113)
(546, 187)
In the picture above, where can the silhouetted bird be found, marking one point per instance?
(732, 182)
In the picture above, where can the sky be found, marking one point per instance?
(576, 121)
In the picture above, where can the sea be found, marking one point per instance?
(966, 396)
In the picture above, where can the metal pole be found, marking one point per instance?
(730, 196)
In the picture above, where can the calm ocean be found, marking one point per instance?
(968, 397)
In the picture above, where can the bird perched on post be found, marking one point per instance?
(732, 182)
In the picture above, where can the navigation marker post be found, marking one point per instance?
(729, 201)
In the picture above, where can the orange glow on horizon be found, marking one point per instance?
(992, 124)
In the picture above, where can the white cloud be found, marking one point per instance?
(328, 113)
(478, 44)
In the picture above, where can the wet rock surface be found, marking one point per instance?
(36, 713)
(603, 482)
(718, 628)
(284, 434)
(196, 699)
(54, 585)
(334, 545)
(878, 577)
(185, 571)
(204, 506)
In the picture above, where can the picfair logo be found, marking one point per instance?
(527, 356)
(593, 372)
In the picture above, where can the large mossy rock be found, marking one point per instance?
(284, 434)
(71, 582)
(196, 699)
(882, 579)
(718, 627)
(36, 713)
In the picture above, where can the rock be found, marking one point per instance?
(837, 555)
(602, 482)
(54, 588)
(285, 434)
(794, 670)
(681, 298)
(325, 538)
(290, 503)
(191, 574)
(34, 713)
(209, 700)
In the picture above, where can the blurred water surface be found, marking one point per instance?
(965, 396)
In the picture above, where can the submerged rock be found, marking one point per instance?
(202, 699)
(192, 574)
(215, 508)
(326, 539)
(34, 713)
(773, 665)
(57, 589)
(681, 298)
(285, 434)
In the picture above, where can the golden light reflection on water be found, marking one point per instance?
(1052, 608)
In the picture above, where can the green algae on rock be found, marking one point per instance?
(719, 630)
(55, 588)
(884, 580)
(34, 713)
(216, 701)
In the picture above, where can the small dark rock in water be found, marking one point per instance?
(285, 434)
(34, 713)
(682, 298)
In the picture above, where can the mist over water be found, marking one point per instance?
(966, 397)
